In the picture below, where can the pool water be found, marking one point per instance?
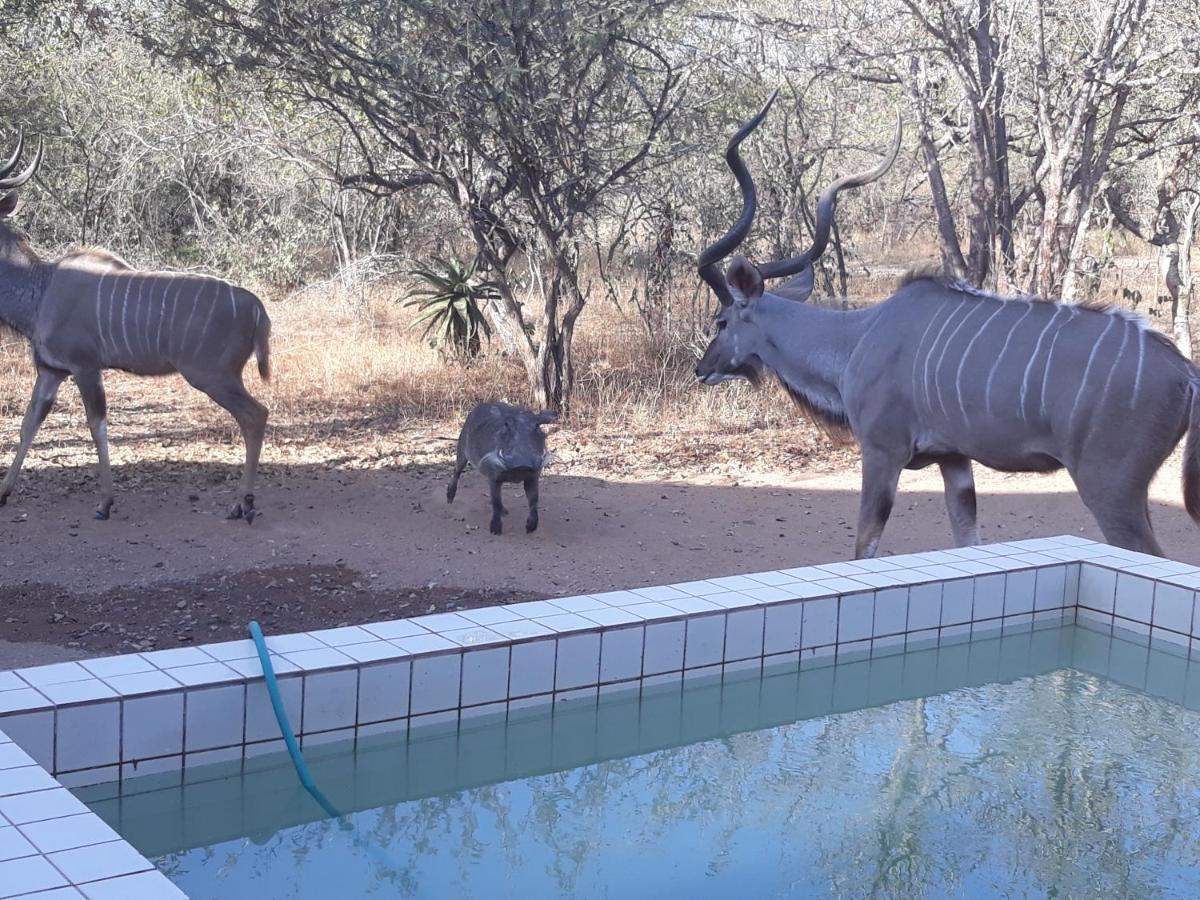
(1058, 762)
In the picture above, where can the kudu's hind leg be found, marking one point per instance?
(251, 417)
(960, 500)
(881, 474)
(95, 405)
(1122, 512)
(45, 390)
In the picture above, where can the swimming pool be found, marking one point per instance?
(1054, 761)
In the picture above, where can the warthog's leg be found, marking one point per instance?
(459, 465)
(531, 494)
(960, 499)
(251, 416)
(45, 389)
(881, 474)
(497, 506)
(91, 389)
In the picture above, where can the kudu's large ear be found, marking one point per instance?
(743, 280)
(8, 204)
(799, 288)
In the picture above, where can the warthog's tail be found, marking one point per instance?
(262, 344)
(1191, 457)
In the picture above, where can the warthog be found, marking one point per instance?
(506, 444)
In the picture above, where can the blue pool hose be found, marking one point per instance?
(285, 727)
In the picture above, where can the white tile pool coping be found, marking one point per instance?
(100, 721)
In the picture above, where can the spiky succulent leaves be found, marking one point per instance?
(449, 301)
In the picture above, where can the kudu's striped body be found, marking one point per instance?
(943, 373)
(90, 311)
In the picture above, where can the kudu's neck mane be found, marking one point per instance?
(808, 348)
(20, 277)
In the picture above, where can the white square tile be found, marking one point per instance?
(24, 779)
(1019, 588)
(22, 700)
(177, 656)
(532, 609)
(578, 663)
(1173, 607)
(142, 683)
(485, 676)
(704, 641)
(450, 621)
(24, 876)
(260, 715)
(98, 861)
(34, 732)
(1051, 589)
(820, 622)
(783, 628)
(663, 651)
(215, 717)
(1135, 597)
(13, 844)
(744, 634)
(252, 668)
(400, 628)
(77, 691)
(292, 643)
(338, 637)
(232, 650)
(611, 616)
(521, 629)
(13, 757)
(153, 726)
(891, 611)
(435, 683)
(315, 660)
(692, 605)
(383, 691)
(10, 681)
(143, 886)
(126, 664)
(621, 653)
(924, 606)
(69, 833)
(989, 597)
(661, 593)
(330, 699)
(578, 604)
(39, 676)
(372, 651)
(957, 598)
(1097, 587)
(88, 736)
(566, 622)
(854, 617)
(532, 668)
(40, 805)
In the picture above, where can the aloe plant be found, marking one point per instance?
(449, 300)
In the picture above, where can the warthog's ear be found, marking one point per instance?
(545, 417)
(744, 280)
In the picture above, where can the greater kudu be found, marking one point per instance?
(89, 311)
(944, 373)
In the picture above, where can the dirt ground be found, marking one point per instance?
(338, 545)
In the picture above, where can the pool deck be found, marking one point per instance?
(97, 722)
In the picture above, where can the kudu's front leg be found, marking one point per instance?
(45, 389)
(95, 406)
(881, 474)
(960, 500)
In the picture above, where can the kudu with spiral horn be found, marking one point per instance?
(944, 373)
(89, 311)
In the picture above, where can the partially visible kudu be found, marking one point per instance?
(506, 444)
(944, 373)
(89, 311)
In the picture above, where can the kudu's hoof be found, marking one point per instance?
(251, 515)
(496, 527)
(102, 515)
(450, 492)
(531, 526)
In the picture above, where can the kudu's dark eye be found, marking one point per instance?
(721, 323)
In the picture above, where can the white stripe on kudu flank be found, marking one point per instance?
(162, 316)
(1071, 313)
(232, 302)
(987, 390)
(1137, 378)
(1086, 371)
(187, 326)
(125, 314)
(1037, 348)
(962, 363)
(929, 355)
(974, 306)
(917, 357)
(1116, 361)
(99, 299)
(212, 308)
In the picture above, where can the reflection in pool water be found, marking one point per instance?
(1026, 765)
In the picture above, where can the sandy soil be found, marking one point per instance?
(342, 545)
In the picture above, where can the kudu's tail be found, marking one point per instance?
(262, 344)
(1191, 458)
